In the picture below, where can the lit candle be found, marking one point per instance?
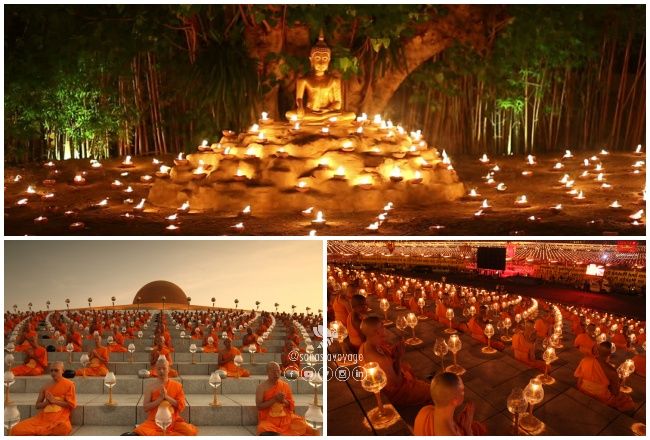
(128, 190)
(473, 193)
(615, 205)
(557, 208)
(637, 215)
(373, 226)
(325, 130)
(501, 187)
(521, 200)
(417, 178)
(496, 168)
(388, 206)
(580, 196)
(479, 213)
(40, 220)
(95, 164)
(127, 162)
(307, 212)
(265, 116)
(239, 227)
(185, 207)
(603, 152)
(339, 173)
(484, 159)
(155, 161)
(319, 220)
(116, 184)
(526, 173)
(396, 174)
(239, 175)
(172, 218)
(163, 171)
(558, 166)
(30, 190)
(365, 181)
(567, 155)
(246, 211)
(312, 233)
(531, 160)
(79, 180)
(146, 178)
(485, 205)
(347, 146)
(377, 119)
(172, 228)
(77, 226)
(139, 206)
(254, 128)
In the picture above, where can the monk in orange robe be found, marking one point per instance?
(639, 364)
(584, 342)
(165, 393)
(290, 357)
(541, 327)
(211, 346)
(226, 360)
(619, 340)
(447, 393)
(250, 338)
(355, 337)
(275, 407)
(35, 360)
(524, 349)
(98, 365)
(342, 308)
(56, 399)
(117, 344)
(598, 379)
(29, 333)
(403, 388)
(161, 350)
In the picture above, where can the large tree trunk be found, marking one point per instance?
(474, 25)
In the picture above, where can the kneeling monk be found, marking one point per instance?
(165, 393)
(35, 359)
(447, 393)
(98, 365)
(598, 379)
(403, 388)
(56, 399)
(226, 360)
(160, 349)
(275, 406)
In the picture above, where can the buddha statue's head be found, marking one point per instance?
(320, 55)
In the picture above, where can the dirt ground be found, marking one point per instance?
(588, 217)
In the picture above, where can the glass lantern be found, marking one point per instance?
(412, 321)
(455, 344)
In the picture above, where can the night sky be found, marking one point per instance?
(287, 272)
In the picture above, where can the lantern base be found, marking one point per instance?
(215, 405)
(488, 350)
(638, 429)
(387, 323)
(531, 424)
(413, 341)
(110, 404)
(423, 317)
(546, 379)
(625, 389)
(505, 338)
(451, 331)
(383, 419)
(456, 369)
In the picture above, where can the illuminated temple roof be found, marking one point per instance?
(154, 291)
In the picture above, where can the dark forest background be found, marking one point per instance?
(106, 80)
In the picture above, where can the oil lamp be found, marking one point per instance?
(374, 380)
(455, 344)
(489, 332)
(450, 316)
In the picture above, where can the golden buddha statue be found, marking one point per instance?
(323, 91)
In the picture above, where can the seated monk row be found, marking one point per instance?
(402, 387)
(251, 338)
(447, 393)
(165, 393)
(56, 400)
(523, 347)
(35, 362)
(161, 350)
(597, 378)
(275, 407)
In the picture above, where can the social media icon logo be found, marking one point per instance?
(358, 373)
(342, 374)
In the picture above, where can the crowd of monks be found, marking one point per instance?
(530, 323)
(69, 330)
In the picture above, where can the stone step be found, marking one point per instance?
(234, 409)
(181, 345)
(132, 384)
(91, 431)
(177, 357)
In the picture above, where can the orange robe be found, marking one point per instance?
(214, 348)
(178, 426)
(639, 364)
(228, 364)
(584, 343)
(619, 340)
(541, 328)
(163, 352)
(340, 310)
(97, 367)
(354, 336)
(118, 345)
(53, 419)
(412, 391)
(280, 418)
(521, 348)
(36, 365)
(593, 381)
(424, 423)
(252, 339)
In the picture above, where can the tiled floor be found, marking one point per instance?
(488, 381)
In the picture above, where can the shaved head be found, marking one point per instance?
(447, 389)
(604, 349)
(358, 300)
(371, 325)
